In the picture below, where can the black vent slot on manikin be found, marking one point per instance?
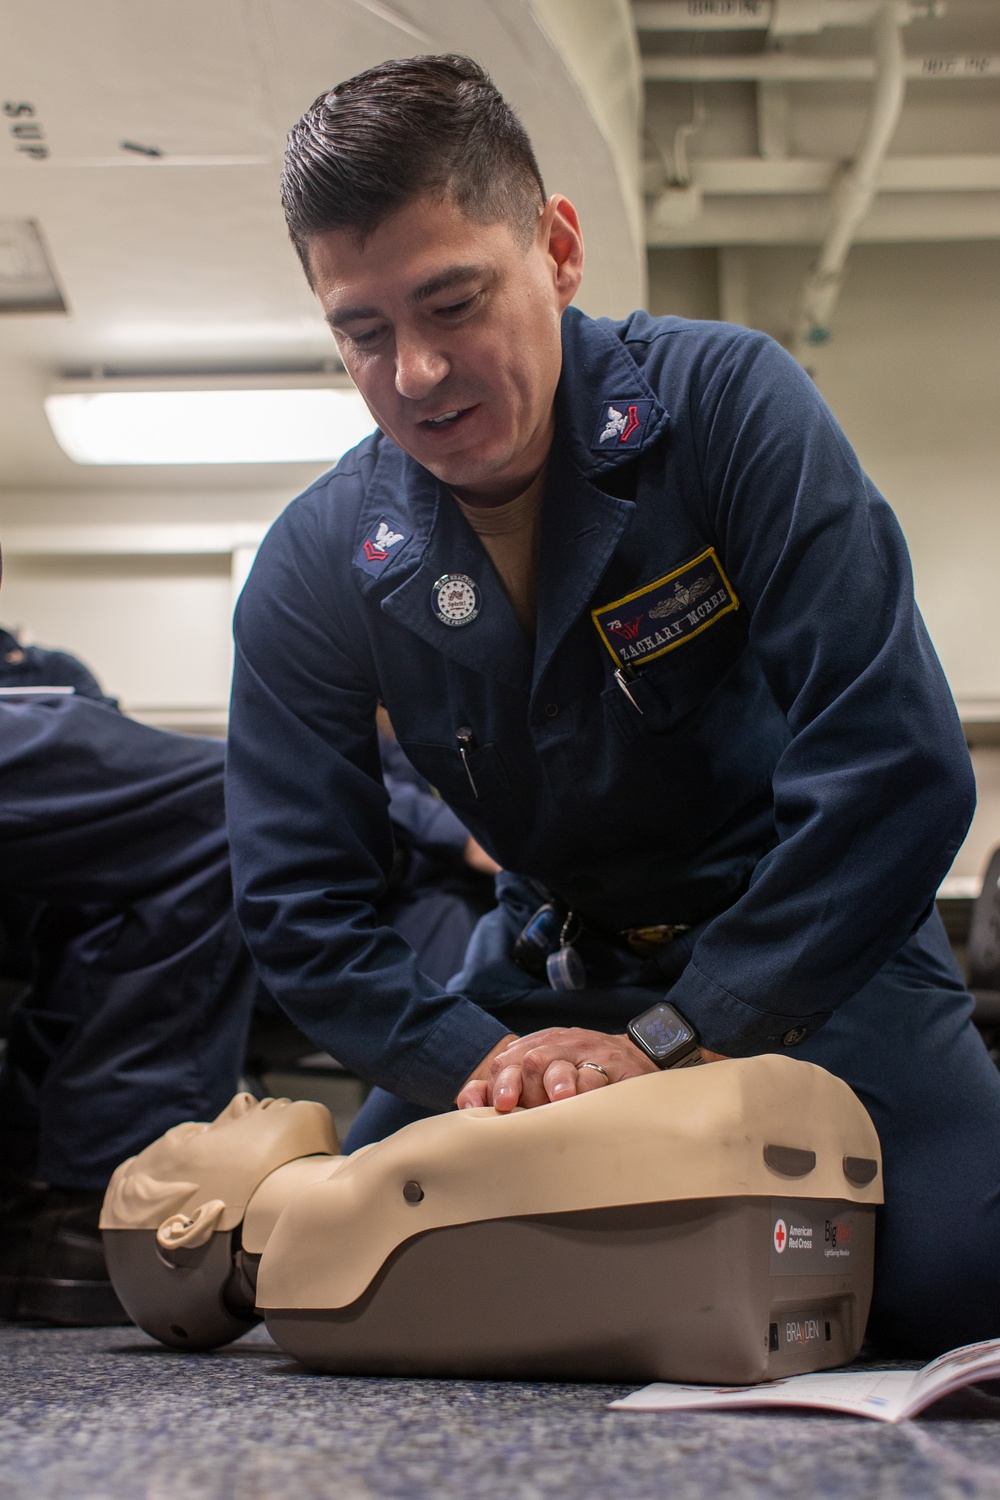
(861, 1170)
(789, 1161)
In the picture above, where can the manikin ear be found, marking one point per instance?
(189, 1231)
(562, 240)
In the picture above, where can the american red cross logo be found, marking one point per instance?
(780, 1236)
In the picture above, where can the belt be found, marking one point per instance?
(641, 940)
(555, 926)
(645, 940)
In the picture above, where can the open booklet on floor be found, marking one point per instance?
(888, 1395)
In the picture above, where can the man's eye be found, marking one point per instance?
(369, 336)
(456, 309)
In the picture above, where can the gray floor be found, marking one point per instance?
(106, 1414)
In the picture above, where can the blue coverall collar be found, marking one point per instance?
(599, 374)
(581, 525)
(493, 642)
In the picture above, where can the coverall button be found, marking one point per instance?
(551, 709)
(793, 1037)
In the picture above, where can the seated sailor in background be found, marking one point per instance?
(117, 929)
(638, 614)
(23, 666)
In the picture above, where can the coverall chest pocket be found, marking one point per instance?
(474, 784)
(707, 753)
(670, 690)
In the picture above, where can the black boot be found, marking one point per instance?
(52, 1267)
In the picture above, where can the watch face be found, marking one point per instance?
(664, 1031)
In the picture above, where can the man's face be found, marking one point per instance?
(450, 329)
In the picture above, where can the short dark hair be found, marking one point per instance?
(410, 126)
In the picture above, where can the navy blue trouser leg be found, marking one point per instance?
(907, 1046)
(437, 924)
(141, 1024)
(381, 1114)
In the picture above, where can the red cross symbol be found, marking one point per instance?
(779, 1236)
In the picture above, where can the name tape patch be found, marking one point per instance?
(663, 615)
(379, 546)
(621, 424)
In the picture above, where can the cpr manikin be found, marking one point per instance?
(711, 1224)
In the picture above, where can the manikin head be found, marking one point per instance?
(415, 203)
(199, 1176)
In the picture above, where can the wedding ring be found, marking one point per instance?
(597, 1069)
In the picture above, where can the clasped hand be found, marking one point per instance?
(548, 1065)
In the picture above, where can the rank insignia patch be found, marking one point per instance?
(621, 425)
(379, 546)
(663, 615)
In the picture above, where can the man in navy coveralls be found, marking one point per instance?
(637, 613)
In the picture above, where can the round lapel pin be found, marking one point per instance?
(455, 599)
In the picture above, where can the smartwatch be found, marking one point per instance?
(664, 1035)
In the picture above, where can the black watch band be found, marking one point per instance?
(665, 1036)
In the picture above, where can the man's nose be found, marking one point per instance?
(419, 368)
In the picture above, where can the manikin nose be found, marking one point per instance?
(418, 370)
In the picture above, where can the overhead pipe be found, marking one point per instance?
(743, 176)
(763, 67)
(780, 17)
(853, 195)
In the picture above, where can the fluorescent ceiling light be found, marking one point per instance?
(245, 426)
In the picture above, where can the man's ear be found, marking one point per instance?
(562, 239)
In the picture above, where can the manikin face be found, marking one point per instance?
(450, 329)
(246, 1128)
(220, 1162)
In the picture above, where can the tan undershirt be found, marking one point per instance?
(510, 535)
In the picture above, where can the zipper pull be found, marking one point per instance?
(622, 682)
(466, 743)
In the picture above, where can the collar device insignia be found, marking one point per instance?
(664, 614)
(621, 425)
(379, 546)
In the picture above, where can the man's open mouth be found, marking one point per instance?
(446, 420)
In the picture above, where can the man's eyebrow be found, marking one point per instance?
(453, 276)
(340, 315)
